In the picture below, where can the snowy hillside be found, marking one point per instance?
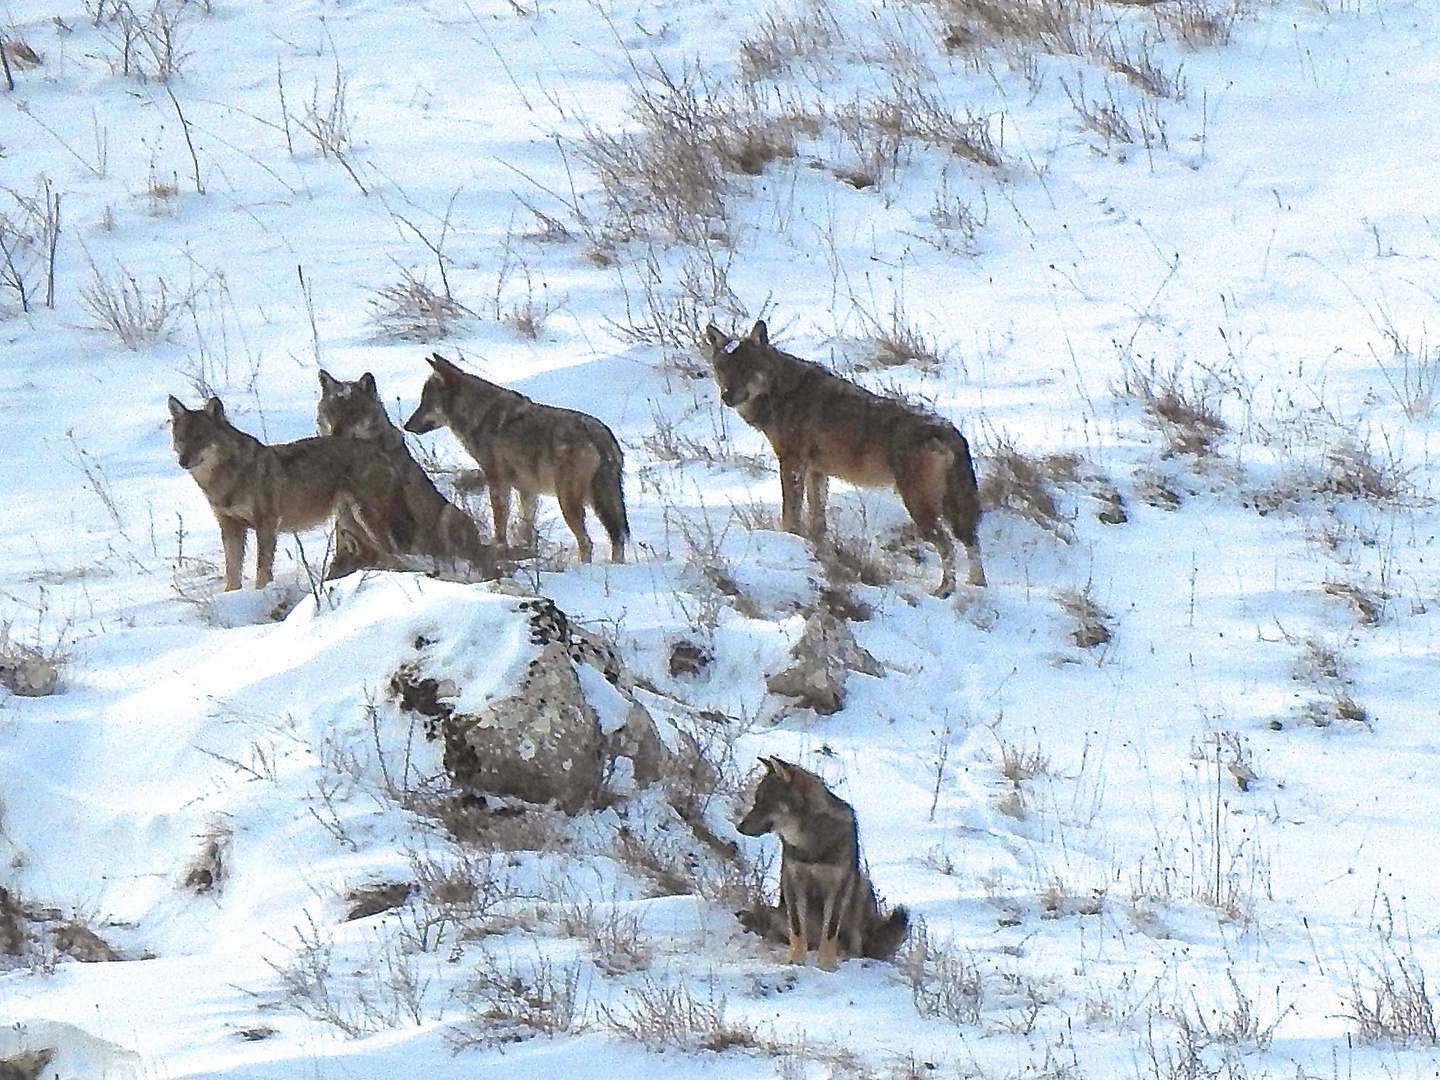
(1158, 798)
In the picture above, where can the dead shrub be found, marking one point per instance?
(943, 983)
(618, 945)
(29, 670)
(1057, 26)
(410, 310)
(139, 317)
(509, 1002)
(879, 129)
(665, 1015)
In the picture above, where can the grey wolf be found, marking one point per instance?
(443, 532)
(821, 425)
(826, 900)
(286, 487)
(522, 445)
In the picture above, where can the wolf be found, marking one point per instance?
(826, 899)
(444, 532)
(531, 448)
(286, 487)
(821, 425)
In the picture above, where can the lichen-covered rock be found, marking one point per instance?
(541, 744)
(573, 716)
(820, 663)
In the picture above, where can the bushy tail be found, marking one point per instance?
(883, 938)
(607, 494)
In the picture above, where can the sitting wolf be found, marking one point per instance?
(444, 532)
(287, 487)
(826, 900)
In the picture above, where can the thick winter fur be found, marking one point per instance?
(444, 534)
(287, 487)
(826, 900)
(531, 448)
(821, 425)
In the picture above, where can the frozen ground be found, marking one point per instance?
(1214, 213)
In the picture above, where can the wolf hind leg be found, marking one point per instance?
(572, 509)
(264, 554)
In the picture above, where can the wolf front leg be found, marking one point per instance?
(792, 497)
(232, 538)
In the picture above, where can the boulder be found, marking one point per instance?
(820, 663)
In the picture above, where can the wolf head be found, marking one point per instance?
(741, 365)
(352, 409)
(435, 397)
(781, 801)
(193, 431)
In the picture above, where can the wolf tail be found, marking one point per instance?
(962, 504)
(884, 937)
(607, 494)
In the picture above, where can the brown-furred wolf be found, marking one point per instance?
(286, 487)
(531, 448)
(821, 425)
(826, 900)
(444, 533)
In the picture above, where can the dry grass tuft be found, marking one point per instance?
(670, 175)
(1023, 484)
(1368, 606)
(1092, 622)
(1389, 1001)
(206, 871)
(1183, 414)
(1352, 469)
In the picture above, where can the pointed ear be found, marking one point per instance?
(783, 769)
(769, 764)
(366, 382)
(177, 409)
(442, 367)
(759, 333)
(214, 409)
(717, 338)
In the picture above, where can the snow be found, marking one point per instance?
(1061, 818)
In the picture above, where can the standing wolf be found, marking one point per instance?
(444, 532)
(821, 425)
(531, 448)
(826, 900)
(286, 487)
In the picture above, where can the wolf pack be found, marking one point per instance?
(388, 514)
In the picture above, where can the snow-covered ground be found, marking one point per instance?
(1193, 849)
